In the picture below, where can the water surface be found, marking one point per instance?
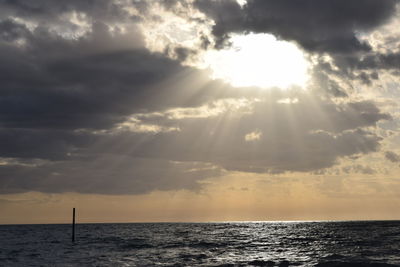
(361, 243)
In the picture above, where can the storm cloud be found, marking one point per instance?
(318, 26)
(86, 106)
(334, 28)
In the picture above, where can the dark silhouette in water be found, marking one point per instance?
(73, 225)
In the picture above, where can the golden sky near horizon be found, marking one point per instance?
(235, 197)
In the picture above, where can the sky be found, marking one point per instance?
(199, 110)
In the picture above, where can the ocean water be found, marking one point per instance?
(360, 243)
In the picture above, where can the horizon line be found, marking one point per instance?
(205, 222)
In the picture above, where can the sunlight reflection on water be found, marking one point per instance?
(204, 244)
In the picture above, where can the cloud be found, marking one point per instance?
(392, 156)
(52, 144)
(86, 107)
(91, 82)
(318, 26)
(43, 11)
(108, 174)
(306, 136)
(357, 168)
(340, 30)
(302, 138)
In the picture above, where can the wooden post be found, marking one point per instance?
(73, 225)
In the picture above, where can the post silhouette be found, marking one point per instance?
(73, 225)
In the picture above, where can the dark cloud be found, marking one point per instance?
(318, 26)
(73, 84)
(65, 90)
(392, 156)
(47, 11)
(58, 91)
(358, 169)
(323, 83)
(49, 144)
(108, 174)
(324, 27)
(11, 31)
(304, 136)
(123, 162)
(361, 67)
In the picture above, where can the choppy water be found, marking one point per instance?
(203, 244)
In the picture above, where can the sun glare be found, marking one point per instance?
(259, 60)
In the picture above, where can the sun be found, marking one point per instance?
(259, 60)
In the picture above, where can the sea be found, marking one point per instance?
(335, 243)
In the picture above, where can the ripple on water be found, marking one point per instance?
(323, 244)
